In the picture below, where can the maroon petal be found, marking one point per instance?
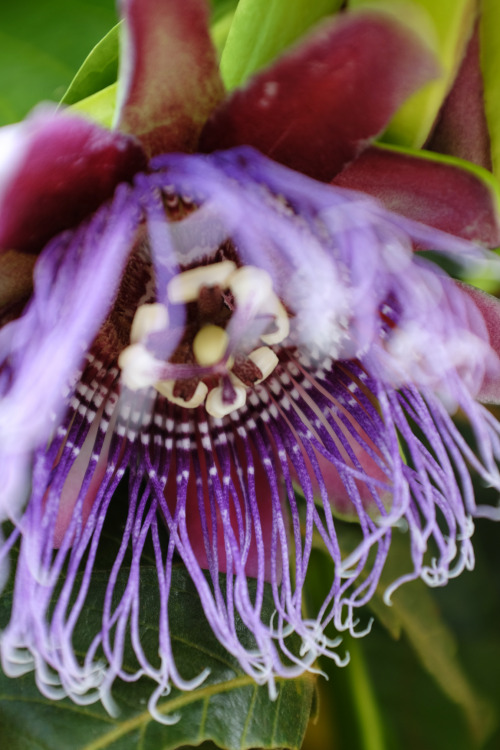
(171, 81)
(490, 310)
(461, 129)
(437, 191)
(319, 106)
(57, 169)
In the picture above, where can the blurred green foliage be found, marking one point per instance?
(42, 44)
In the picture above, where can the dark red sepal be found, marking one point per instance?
(461, 129)
(170, 83)
(439, 193)
(319, 106)
(59, 169)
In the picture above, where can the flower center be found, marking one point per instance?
(231, 319)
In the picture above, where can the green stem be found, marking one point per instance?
(370, 727)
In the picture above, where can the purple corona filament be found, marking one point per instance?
(275, 356)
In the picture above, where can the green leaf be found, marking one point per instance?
(229, 709)
(99, 107)
(219, 31)
(435, 645)
(447, 25)
(99, 69)
(262, 29)
(369, 717)
(413, 612)
(490, 65)
(220, 8)
(42, 44)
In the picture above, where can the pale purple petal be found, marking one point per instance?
(75, 282)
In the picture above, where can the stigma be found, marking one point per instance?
(232, 322)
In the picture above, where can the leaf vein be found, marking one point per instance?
(249, 716)
(276, 714)
(203, 718)
(169, 706)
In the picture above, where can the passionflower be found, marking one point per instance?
(260, 353)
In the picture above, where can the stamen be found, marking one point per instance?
(186, 286)
(216, 406)
(139, 367)
(265, 359)
(251, 284)
(282, 323)
(215, 288)
(245, 370)
(166, 388)
(148, 319)
(209, 345)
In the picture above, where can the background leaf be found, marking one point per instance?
(99, 69)
(447, 25)
(42, 44)
(222, 19)
(261, 29)
(418, 617)
(490, 65)
(425, 668)
(99, 107)
(229, 708)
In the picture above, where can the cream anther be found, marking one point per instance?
(265, 359)
(166, 388)
(186, 286)
(148, 319)
(139, 367)
(209, 345)
(282, 323)
(251, 285)
(216, 407)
